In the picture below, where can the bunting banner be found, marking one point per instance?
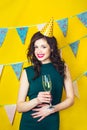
(22, 32)
(63, 24)
(40, 26)
(83, 18)
(17, 69)
(75, 87)
(10, 110)
(3, 32)
(85, 73)
(74, 47)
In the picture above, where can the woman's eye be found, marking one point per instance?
(35, 47)
(43, 46)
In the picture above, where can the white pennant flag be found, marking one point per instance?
(40, 26)
(10, 110)
(75, 86)
(1, 68)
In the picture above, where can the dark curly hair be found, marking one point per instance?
(54, 57)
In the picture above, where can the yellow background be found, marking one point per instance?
(14, 13)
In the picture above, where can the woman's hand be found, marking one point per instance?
(42, 112)
(44, 97)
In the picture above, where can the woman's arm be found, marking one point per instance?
(69, 93)
(22, 104)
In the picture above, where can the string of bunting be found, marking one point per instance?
(74, 45)
(22, 31)
(17, 67)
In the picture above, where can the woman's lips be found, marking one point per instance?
(40, 55)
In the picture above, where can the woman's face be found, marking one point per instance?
(42, 50)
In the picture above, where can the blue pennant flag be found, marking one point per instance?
(22, 33)
(17, 69)
(74, 47)
(63, 25)
(85, 73)
(83, 18)
(3, 32)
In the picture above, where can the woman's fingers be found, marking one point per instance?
(41, 113)
(41, 118)
(44, 97)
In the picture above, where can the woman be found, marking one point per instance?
(45, 56)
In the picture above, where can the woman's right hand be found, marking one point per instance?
(44, 97)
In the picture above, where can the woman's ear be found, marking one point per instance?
(51, 50)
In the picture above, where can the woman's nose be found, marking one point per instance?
(39, 50)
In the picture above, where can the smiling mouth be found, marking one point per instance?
(40, 55)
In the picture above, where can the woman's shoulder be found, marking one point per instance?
(29, 72)
(28, 68)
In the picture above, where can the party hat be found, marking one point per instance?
(47, 30)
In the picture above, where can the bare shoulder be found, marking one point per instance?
(23, 74)
(24, 77)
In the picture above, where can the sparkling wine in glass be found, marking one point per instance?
(47, 84)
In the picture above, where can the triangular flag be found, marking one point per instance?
(40, 26)
(17, 69)
(75, 87)
(63, 24)
(83, 18)
(22, 33)
(10, 110)
(85, 73)
(1, 68)
(74, 47)
(3, 32)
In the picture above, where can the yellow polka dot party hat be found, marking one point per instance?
(47, 30)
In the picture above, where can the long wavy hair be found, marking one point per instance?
(54, 56)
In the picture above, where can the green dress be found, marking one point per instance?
(51, 122)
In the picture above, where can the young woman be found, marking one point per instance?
(45, 56)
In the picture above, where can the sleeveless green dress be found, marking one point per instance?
(51, 122)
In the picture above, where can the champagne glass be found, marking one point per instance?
(47, 84)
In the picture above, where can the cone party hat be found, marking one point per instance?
(47, 30)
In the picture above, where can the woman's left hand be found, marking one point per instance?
(42, 112)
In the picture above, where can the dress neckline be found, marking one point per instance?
(46, 64)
